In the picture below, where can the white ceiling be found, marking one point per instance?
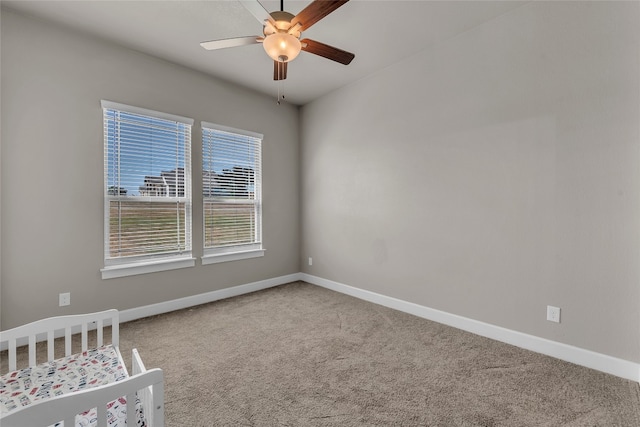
(378, 32)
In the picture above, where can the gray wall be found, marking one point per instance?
(491, 175)
(488, 176)
(52, 171)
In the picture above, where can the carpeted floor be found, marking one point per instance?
(301, 355)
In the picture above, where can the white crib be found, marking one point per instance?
(89, 388)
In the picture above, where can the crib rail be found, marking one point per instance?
(152, 402)
(65, 407)
(30, 334)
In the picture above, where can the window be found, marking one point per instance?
(147, 191)
(232, 193)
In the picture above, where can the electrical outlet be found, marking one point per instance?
(64, 299)
(553, 314)
(310, 261)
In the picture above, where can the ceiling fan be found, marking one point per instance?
(282, 31)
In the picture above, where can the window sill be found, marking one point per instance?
(114, 271)
(231, 256)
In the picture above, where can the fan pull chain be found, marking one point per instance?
(280, 96)
(280, 85)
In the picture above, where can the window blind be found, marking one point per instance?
(147, 161)
(232, 189)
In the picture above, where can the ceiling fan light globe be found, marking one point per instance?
(282, 45)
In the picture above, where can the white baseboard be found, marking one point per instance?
(579, 356)
(178, 304)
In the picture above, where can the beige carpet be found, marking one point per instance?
(300, 355)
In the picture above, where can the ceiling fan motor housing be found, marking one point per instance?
(282, 24)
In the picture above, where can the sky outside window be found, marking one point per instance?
(141, 147)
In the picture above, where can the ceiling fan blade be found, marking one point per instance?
(257, 10)
(233, 42)
(329, 52)
(280, 70)
(315, 11)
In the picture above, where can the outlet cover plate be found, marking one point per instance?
(64, 299)
(553, 314)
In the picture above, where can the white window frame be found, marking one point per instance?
(132, 265)
(213, 255)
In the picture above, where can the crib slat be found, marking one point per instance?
(50, 353)
(67, 341)
(32, 350)
(102, 416)
(85, 344)
(99, 326)
(70, 421)
(12, 355)
(131, 409)
(157, 409)
(115, 332)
